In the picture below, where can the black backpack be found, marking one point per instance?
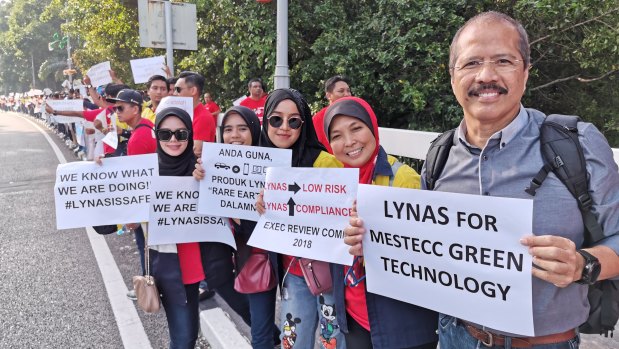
(563, 156)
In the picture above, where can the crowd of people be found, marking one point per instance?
(495, 152)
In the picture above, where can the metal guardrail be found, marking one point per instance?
(415, 144)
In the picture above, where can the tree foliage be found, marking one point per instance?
(394, 51)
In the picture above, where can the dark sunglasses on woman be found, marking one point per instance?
(277, 121)
(181, 135)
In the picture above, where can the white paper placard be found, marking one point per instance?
(457, 254)
(174, 217)
(66, 105)
(99, 74)
(307, 210)
(111, 139)
(118, 191)
(234, 176)
(185, 103)
(144, 68)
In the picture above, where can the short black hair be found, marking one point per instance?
(156, 78)
(330, 83)
(171, 82)
(256, 80)
(112, 90)
(193, 79)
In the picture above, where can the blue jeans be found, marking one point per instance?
(262, 310)
(301, 312)
(453, 335)
(139, 242)
(183, 319)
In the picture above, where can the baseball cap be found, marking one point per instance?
(127, 95)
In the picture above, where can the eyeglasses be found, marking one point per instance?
(502, 65)
(165, 135)
(119, 109)
(277, 121)
(178, 89)
(351, 279)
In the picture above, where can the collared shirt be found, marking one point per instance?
(148, 112)
(505, 167)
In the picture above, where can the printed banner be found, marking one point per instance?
(174, 217)
(457, 254)
(118, 191)
(66, 105)
(185, 103)
(144, 68)
(234, 176)
(99, 74)
(307, 210)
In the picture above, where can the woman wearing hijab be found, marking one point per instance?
(287, 124)
(241, 126)
(179, 268)
(370, 320)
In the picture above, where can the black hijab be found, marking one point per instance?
(250, 118)
(307, 148)
(182, 165)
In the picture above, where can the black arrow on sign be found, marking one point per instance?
(291, 204)
(294, 187)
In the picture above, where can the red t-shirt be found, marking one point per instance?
(256, 106)
(356, 305)
(319, 120)
(295, 268)
(190, 261)
(203, 125)
(212, 107)
(142, 139)
(91, 115)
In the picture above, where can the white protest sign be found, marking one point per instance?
(174, 217)
(457, 254)
(66, 105)
(111, 139)
(185, 103)
(234, 176)
(144, 68)
(307, 210)
(118, 191)
(99, 74)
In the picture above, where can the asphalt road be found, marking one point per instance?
(52, 292)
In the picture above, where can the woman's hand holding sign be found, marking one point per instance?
(353, 234)
(199, 172)
(260, 203)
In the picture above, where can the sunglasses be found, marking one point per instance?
(119, 109)
(181, 135)
(178, 89)
(277, 121)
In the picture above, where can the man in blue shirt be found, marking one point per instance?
(497, 152)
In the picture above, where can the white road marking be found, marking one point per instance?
(129, 324)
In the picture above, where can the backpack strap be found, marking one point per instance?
(437, 157)
(394, 169)
(563, 155)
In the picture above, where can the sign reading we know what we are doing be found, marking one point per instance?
(457, 254)
(307, 210)
(88, 194)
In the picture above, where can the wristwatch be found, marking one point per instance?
(591, 269)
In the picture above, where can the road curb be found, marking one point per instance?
(220, 332)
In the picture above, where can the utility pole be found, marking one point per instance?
(282, 77)
(69, 61)
(169, 44)
(33, 79)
